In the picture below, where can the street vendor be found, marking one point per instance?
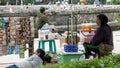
(42, 20)
(102, 42)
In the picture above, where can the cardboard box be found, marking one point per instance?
(22, 55)
(1, 53)
(0, 48)
(4, 49)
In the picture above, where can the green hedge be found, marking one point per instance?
(115, 2)
(118, 17)
(112, 61)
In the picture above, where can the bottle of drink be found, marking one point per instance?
(86, 26)
(82, 27)
(90, 27)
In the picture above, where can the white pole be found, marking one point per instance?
(16, 2)
(72, 23)
(21, 2)
(71, 17)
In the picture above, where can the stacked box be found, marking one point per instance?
(1, 53)
(32, 26)
(1, 22)
(26, 32)
(7, 31)
(18, 32)
(12, 31)
(2, 42)
(4, 49)
(17, 49)
(16, 29)
(22, 49)
(1, 36)
(9, 50)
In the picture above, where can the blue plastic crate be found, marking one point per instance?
(17, 49)
(71, 48)
(9, 47)
(9, 50)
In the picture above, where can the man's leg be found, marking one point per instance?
(88, 48)
(12, 66)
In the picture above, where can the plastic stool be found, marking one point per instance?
(51, 44)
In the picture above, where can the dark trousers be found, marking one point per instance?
(88, 48)
(12, 66)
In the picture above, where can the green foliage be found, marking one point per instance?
(118, 17)
(115, 2)
(112, 61)
(3, 2)
(13, 2)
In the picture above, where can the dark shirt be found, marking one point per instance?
(42, 19)
(103, 35)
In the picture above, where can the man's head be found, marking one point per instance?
(102, 19)
(42, 9)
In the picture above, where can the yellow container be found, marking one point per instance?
(82, 1)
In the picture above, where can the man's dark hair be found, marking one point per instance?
(42, 54)
(42, 9)
(47, 58)
(103, 18)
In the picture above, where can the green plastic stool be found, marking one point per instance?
(51, 45)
